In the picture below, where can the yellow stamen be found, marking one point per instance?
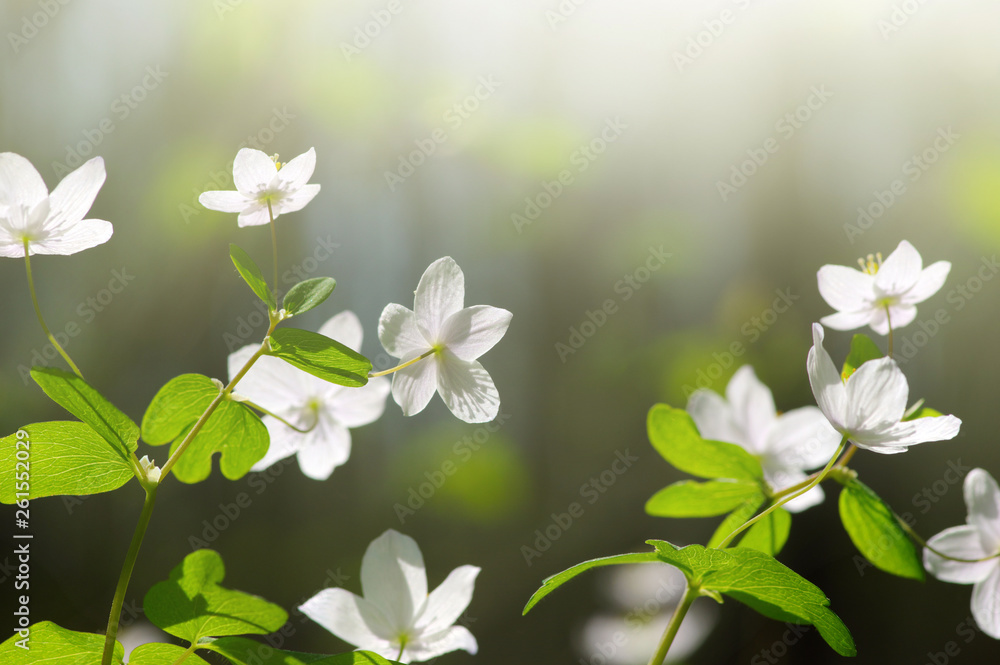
(871, 263)
(277, 164)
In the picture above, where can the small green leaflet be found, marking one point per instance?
(550, 584)
(243, 651)
(770, 534)
(736, 518)
(62, 458)
(51, 644)
(164, 654)
(320, 356)
(176, 406)
(862, 350)
(876, 533)
(922, 412)
(688, 498)
(308, 294)
(192, 605)
(675, 437)
(252, 276)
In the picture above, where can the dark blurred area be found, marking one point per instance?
(692, 163)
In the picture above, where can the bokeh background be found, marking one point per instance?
(650, 111)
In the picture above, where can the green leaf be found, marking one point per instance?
(675, 437)
(876, 533)
(232, 430)
(734, 519)
(243, 651)
(688, 498)
(79, 398)
(923, 412)
(51, 644)
(192, 605)
(761, 582)
(550, 584)
(862, 350)
(63, 458)
(308, 294)
(320, 356)
(176, 406)
(770, 534)
(162, 654)
(251, 275)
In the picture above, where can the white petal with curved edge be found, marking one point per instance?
(284, 442)
(413, 386)
(847, 320)
(714, 417)
(961, 542)
(845, 289)
(297, 200)
(910, 433)
(827, 387)
(982, 497)
(344, 328)
(440, 293)
(349, 617)
(225, 201)
(471, 332)
(74, 238)
(876, 395)
(20, 183)
(71, 199)
(467, 389)
(931, 280)
(986, 604)
(271, 382)
(447, 602)
(753, 406)
(899, 316)
(394, 578)
(354, 407)
(252, 171)
(296, 173)
(432, 646)
(324, 449)
(398, 332)
(813, 497)
(802, 439)
(255, 214)
(900, 271)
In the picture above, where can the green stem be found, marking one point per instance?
(888, 320)
(126, 574)
(675, 623)
(279, 418)
(402, 366)
(41, 319)
(788, 497)
(923, 543)
(274, 249)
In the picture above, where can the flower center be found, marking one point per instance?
(871, 263)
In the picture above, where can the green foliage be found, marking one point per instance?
(552, 583)
(675, 437)
(769, 534)
(736, 518)
(243, 651)
(308, 294)
(320, 356)
(53, 645)
(922, 412)
(176, 406)
(252, 276)
(192, 605)
(688, 498)
(63, 458)
(163, 654)
(862, 350)
(875, 531)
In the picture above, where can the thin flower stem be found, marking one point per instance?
(923, 543)
(274, 249)
(788, 497)
(888, 320)
(402, 366)
(675, 623)
(277, 417)
(851, 449)
(41, 320)
(126, 574)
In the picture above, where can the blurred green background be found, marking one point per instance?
(651, 113)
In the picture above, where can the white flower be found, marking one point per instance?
(438, 325)
(978, 539)
(50, 223)
(325, 409)
(258, 180)
(862, 297)
(397, 619)
(868, 408)
(786, 445)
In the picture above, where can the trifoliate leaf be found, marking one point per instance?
(674, 435)
(243, 651)
(252, 276)
(232, 430)
(50, 644)
(176, 406)
(320, 356)
(59, 458)
(862, 350)
(308, 294)
(163, 654)
(550, 584)
(876, 533)
(688, 498)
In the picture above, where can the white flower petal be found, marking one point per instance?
(271, 382)
(467, 389)
(354, 407)
(447, 602)
(802, 439)
(225, 201)
(20, 183)
(394, 578)
(827, 386)
(931, 280)
(471, 332)
(324, 449)
(909, 433)
(255, 214)
(440, 293)
(845, 289)
(413, 386)
(296, 200)
(714, 417)
(900, 271)
(398, 332)
(284, 442)
(252, 171)
(344, 328)
(296, 173)
(899, 316)
(753, 407)
(847, 320)
(876, 395)
(813, 497)
(74, 238)
(986, 604)
(432, 646)
(71, 199)
(349, 617)
(982, 497)
(961, 542)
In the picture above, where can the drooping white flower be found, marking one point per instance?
(51, 223)
(979, 538)
(397, 618)
(868, 408)
(454, 335)
(259, 180)
(882, 292)
(787, 445)
(327, 410)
